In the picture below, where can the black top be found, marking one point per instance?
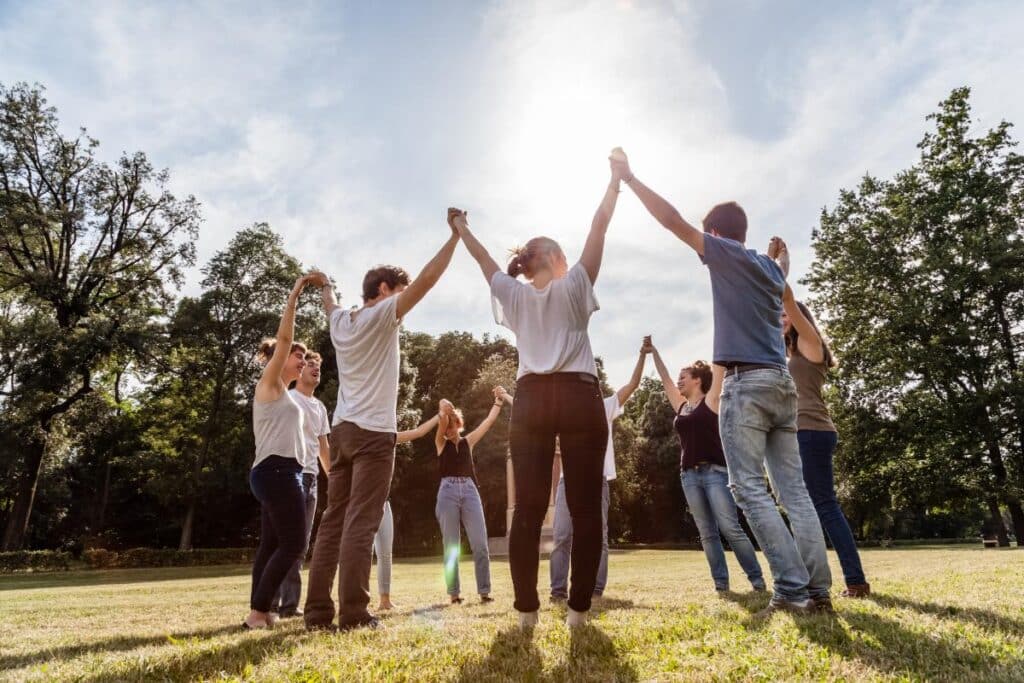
(457, 461)
(698, 435)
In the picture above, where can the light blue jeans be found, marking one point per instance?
(459, 504)
(758, 426)
(562, 549)
(382, 544)
(706, 488)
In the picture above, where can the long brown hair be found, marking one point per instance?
(792, 336)
(267, 346)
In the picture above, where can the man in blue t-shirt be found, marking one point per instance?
(757, 418)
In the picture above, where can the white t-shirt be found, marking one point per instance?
(367, 351)
(612, 410)
(314, 425)
(550, 324)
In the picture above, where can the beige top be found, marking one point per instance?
(278, 429)
(812, 413)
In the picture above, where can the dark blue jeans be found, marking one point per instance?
(277, 484)
(287, 597)
(816, 449)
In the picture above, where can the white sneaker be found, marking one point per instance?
(527, 620)
(574, 618)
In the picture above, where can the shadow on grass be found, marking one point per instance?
(513, 657)
(953, 612)
(116, 644)
(113, 577)
(200, 661)
(889, 647)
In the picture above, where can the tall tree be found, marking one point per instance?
(921, 279)
(210, 382)
(88, 254)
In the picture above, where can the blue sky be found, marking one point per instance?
(350, 127)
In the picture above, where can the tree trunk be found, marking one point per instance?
(185, 543)
(1017, 515)
(17, 521)
(996, 522)
(101, 516)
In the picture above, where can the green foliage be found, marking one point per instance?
(34, 561)
(921, 281)
(151, 557)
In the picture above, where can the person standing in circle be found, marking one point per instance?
(276, 474)
(558, 395)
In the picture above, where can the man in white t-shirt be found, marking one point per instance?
(363, 436)
(560, 553)
(316, 426)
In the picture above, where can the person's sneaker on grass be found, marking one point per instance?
(823, 604)
(373, 623)
(799, 607)
(858, 590)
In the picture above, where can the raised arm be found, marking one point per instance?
(427, 278)
(671, 390)
(713, 399)
(474, 436)
(593, 250)
(444, 413)
(662, 211)
(808, 341)
(504, 395)
(422, 430)
(627, 390)
(779, 252)
(323, 283)
(270, 387)
(459, 221)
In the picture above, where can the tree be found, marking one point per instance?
(88, 254)
(921, 280)
(209, 380)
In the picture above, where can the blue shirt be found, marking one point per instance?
(746, 292)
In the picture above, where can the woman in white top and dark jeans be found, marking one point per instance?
(557, 395)
(276, 474)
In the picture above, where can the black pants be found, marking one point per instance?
(277, 484)
(568, 406)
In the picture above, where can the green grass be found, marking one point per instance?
(938, 614)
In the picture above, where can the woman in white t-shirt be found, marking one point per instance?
(276, 474)
(557, 395)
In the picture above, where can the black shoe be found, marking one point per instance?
(823, 605)
(290, 613)
(486, 598)
(373, 623)
(456, 600)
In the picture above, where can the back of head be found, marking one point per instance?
(792, 337)
(392, 276)
(729, 220)
(702, 371)
(268, 346)
(537, 254)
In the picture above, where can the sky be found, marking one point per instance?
(351, 127)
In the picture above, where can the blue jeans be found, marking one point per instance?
(458, 501)
(758, 426)
(706, 488)
(277, 484)
(287, 597)
(382, 543)
(562, 549)
(816, 449)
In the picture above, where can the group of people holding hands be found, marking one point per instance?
(755, 410)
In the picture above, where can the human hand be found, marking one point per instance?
(647, 346)
(445, 407)
(619, 163)
(317, 279)
(457, 220)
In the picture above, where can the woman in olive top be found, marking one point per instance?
(809, 362)
(703, 472)
(276, 474)
(458, 499)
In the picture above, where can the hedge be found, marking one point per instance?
(34, 561)
(54, 560)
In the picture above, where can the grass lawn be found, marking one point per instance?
(938, 614)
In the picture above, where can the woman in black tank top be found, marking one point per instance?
(703, 472)
(458, 498)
